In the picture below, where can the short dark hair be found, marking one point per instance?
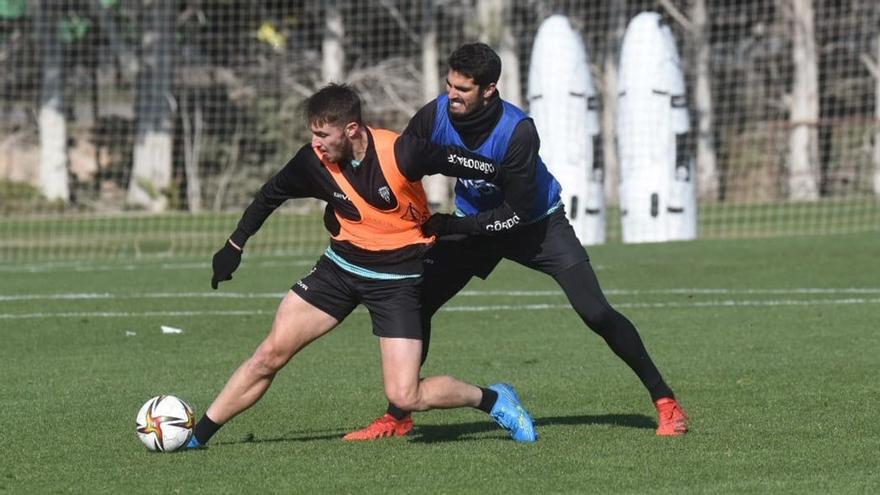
(477, 61)
(334, 104)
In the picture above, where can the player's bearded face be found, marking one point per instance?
(465, 96)
(330, 141)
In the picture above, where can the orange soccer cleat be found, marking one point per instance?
(386, 426)
(672, 419)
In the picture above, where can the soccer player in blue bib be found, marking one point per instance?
(521, 219)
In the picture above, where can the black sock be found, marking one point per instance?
(488, 401)
(396, 412)
(205, 429)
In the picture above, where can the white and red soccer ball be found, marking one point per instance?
(165, 423)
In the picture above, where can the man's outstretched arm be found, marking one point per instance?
(283, 186)
(418, 157)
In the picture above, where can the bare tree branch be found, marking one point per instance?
(871, 64)
(677, 15)
(396, 15)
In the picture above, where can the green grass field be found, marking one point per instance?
(771, 345)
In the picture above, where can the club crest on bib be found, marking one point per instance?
(413, 214)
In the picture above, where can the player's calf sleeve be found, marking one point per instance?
(396, 412)
(205, 429)
(581, 286)
(487, 402)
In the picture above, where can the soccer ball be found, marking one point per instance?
(165, 423)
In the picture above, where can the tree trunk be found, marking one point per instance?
(510, 76)
(229, 168)
(494, 17)
(151, 172)
(804, 140)
(53, 127)
(611, 68)
(430, 56)
(877, 119)
(333, 63)
(192, 145)
(707, 164)
(438, 188)
(110, 29)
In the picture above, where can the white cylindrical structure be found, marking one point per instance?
(658, 195)
(565, 107)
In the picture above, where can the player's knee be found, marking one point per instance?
(266, 362)
(404, 397)
(597, 316)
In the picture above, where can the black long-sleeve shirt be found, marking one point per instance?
(520, 188)
(304, 176)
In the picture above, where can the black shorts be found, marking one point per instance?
(394, 305)
(548, 245)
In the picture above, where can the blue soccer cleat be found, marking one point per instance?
(511, 415)
(194, 444)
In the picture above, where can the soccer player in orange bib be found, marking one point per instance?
(370, 179)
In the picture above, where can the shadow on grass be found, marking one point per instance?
(460, 432)
(450, 433)
(294, 436)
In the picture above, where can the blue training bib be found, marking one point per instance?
(475, 196)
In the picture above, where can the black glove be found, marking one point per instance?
(226, 260)
(443, 224)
